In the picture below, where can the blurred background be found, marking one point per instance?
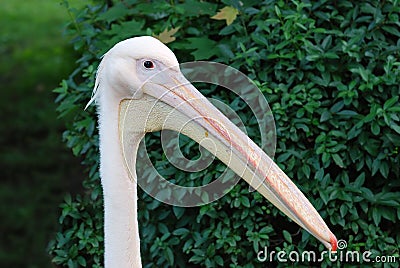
(37, 168)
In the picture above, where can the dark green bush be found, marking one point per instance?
(331, 73)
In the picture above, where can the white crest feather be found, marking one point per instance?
(95, 91)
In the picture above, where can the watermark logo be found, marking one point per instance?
(342, 244)
(341, 255)
(175, 106)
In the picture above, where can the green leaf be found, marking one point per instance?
(395, 127)
(338, 160)
(390, 102)
(287, 236)
(376, 216)
(369, 117)
(245, 201)
(343, 210)
(306, 170)
(196, 8)
(169, 255)
(204, 48)
(126, 29)
(384, 169)
(337, 107)
(347, 113)
(178, 211)
(219, 260)
(395, 109)
(117, 12)
(392, 30)
(319, 174)
(359, 180)
(375, 129)
(364, 74)
(278, 11)
(181, 231)
(163, 228)
(68, 199)
(324, 196)
(354, 227)
(81, 261)
(375, 166)
(326, 115)
(331, 55)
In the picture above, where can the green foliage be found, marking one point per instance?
(331, 73)
(33, 56)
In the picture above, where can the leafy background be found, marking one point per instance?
(331, 73)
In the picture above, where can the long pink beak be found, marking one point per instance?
(174, 95)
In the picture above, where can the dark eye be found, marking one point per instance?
(148, 64)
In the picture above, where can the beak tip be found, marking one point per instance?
(333, 241)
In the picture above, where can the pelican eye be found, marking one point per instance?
(148, 64)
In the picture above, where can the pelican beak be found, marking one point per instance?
(177, 103)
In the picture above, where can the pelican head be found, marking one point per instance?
(130, 63)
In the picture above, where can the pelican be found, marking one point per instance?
(126, 75)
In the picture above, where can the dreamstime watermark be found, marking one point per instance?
(181, 108)
(342, 255)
